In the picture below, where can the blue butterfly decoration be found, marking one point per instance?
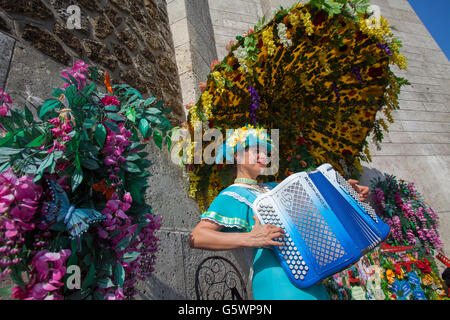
(77, 221)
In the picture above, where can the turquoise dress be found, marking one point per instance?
(231, 209)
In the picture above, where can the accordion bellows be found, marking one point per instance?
(326, 227)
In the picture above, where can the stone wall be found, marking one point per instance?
(130, 39)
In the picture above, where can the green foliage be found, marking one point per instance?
(41, 147)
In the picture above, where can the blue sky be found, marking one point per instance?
(435, 15)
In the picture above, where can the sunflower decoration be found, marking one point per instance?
(319, 73)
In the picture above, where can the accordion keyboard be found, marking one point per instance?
(315, 231)
(288, 250)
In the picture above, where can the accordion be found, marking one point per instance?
(326, 227)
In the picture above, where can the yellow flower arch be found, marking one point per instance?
(320, 79)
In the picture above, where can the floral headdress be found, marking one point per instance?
(242, 138)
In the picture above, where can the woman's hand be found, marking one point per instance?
(263, 235)
(363, 191)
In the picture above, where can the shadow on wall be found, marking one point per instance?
(369, 175)
(155, 289)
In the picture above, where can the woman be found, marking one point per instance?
(229, 222)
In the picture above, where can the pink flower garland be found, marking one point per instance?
(116, 144)
(19, 198)
(144, 243)
(46, 277)
(77, 71)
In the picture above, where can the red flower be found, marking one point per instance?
(319, 18)
(375, 72)
(214, 63)
(346, 152)
(238, 77)
(300, 140)
(360, 36)
(424, 265)
(109, 100)
(398, 270)
(260, 44)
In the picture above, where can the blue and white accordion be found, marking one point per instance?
(326, 226)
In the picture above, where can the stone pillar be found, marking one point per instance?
(194, 44)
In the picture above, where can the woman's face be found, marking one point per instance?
(252, 161)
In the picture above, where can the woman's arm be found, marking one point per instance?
(207, 235)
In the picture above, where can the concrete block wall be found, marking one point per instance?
(232, 18)
(194, 43)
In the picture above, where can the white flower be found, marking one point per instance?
(285, 41)
(241, 54)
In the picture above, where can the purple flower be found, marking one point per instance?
(5, 102)
(127, 198)
(357, 72)
(385, 47)
(77, 71)
(254, 105)
(336, 90)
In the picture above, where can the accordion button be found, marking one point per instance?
(291, 266)
(283, 252)
(296, 277)
(303, 262)
(285, 257)
(304, 272)
(302, 277)
(300, 267)
(295, 267)
(291, 257)
(296, 257)
(293, 271)
(306, 268)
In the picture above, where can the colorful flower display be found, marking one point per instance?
(317, 72)
(412, 220)
(404, 266)
(389, 273)
(72, 186)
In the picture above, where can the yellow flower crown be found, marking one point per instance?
(244, 137)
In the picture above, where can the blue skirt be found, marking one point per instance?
(270, 281)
